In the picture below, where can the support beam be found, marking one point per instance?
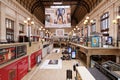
(80, 3)
(58, 0)
(37, 4)
(73, 15)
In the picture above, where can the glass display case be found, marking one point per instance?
(7, 54)
(21, 50)
(12, 52)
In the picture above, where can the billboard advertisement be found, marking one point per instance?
(95, 41)
(58, 17)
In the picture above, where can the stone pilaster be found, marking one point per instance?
(16, 28)
(2, 24)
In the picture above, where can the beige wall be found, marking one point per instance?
(110, 6)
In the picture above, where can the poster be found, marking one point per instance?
(59, 32)
(109, 41)
(7, 54)
(95, 41)
(59, 16)
(53, 62)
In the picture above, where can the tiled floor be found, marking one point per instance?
(52, 74)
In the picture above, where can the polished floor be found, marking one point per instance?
(52, 74)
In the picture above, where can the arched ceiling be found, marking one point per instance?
(79, 8)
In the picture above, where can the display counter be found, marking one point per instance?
(89, 51)
(16, 59)
(83, 74)
(14, 70)
(12, 51)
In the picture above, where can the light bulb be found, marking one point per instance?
(40, 29)
(91, 21)
(32, 22)
(118, 17)
(87, 17)
(25, 21)
(28, 18)
(114, 21)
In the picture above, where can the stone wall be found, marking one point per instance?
(12, 10)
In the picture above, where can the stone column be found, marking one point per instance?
(88, 61)
(117, 59)
(16, 28)
(2, 24)
(98, 23)
(118, 43)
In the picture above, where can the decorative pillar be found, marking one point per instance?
(2, 24)
(16, 28)
(88, 61)
(117, 59)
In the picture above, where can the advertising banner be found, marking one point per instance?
(59, 16)
(95, 41)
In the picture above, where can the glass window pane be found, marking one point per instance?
(105, 21)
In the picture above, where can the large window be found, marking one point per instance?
(37, 32)
(105, 27)
(118, 31)
(82, 32)
(105, 21)
(119, 10)
(105, 24)
(9, 30)
(93, 26)
(21, 30)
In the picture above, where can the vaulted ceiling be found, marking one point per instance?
(79, 8)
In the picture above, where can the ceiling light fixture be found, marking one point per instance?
(59, 6)
(40, 29)
(76, 26)
(118, 17)
(87, 17)
(57, 2)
